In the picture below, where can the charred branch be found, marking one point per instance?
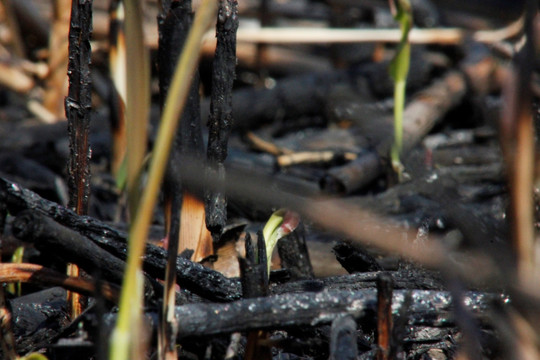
(193, 276)
(221, 118)
(310, 309)
(66, 245)
(78, 104)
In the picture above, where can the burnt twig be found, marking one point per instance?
(220, 118)
(78, 104)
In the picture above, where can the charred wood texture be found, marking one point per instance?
(78, 104)
(188, 139)
(192, 276)
(66, 245)
(38, 318)
(221, 118)
(367, 280)
(355, 259)
(307, 95)
(432, 308)
(294, 254)
(385, 288)
(254, 269)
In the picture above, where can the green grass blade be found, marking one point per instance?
(399, 69)
(139, 230)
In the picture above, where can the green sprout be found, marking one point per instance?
(280, 224)
(16, 258)
(399, 68)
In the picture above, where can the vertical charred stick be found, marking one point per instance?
(254, 273)
(262, 256)
(78, 104)
(174, 21)
(294, 254)
(220, 118)
(188, 139)
(343, 339)
(385, 287)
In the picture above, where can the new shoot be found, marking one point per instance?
(399, 69)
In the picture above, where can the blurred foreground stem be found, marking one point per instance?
(176, 98)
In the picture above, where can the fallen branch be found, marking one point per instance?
(433, 308)
(422, 113)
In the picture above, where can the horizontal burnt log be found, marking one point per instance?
(429, 308)
(358, 281)
(191, 276)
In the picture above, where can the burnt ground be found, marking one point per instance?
(313, 122)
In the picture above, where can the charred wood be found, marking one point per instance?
(38, 318)
(294, 255)
(78, 105)
(173, 33)
(193, 276)
(221, 118)
(355, 259)
(310, 309)
(66, 245)
(307, 95)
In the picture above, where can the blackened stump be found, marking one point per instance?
(220, 118)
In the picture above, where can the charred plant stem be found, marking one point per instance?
(220, 118)
(385, 287)
(78, 105)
